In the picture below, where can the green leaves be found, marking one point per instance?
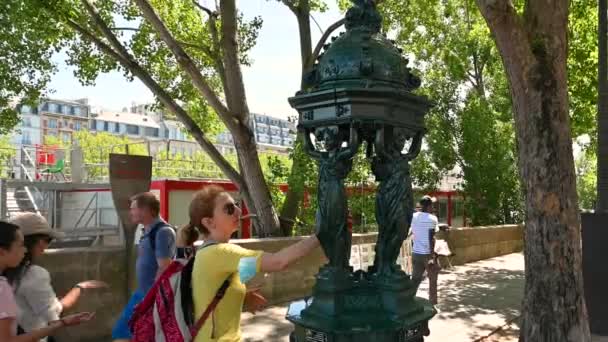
(26, 47)
(470, 128)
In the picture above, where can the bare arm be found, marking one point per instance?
(274, 262)
(163, 263)
(6, 333)
(70, 299)
(74, 294)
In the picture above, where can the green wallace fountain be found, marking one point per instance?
(361, 90)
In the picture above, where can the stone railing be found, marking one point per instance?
(70, 266)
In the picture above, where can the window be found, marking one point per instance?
(25, 109)
(77, 111)
(93, 125)
(106, 126)
(67, 110)
(77, 125)
(26, 122)
(65, 137)
(263, 138)
(116, 127)
(26, 139)
(52, 123)
(52, 107)
(133, 129)
(151, 132)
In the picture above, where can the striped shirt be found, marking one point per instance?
(422, 223)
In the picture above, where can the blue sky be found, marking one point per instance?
(273, 77)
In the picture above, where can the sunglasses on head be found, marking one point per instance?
(230, 208)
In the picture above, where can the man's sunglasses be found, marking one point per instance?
(230, 208)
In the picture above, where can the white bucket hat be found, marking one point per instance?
(32, 223)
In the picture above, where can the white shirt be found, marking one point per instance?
(422, 223)
(36, 299)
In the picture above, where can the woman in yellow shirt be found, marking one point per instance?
(214, 212)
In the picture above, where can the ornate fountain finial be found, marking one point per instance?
(363, 14)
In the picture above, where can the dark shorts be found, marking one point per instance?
(121, 328)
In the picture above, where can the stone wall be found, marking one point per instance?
(70, 266)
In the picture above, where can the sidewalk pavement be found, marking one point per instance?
(474, 300)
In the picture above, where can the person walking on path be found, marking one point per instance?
(12, 252)
(156, 250)
(37, 302)
(424, 225)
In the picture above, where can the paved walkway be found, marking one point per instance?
(474, 300)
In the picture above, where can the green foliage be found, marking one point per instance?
(31, 31)
(582, 68)
(26, 47)
(470, 128)
(586, 182)
(7, 154)
(96, 149)
(488, 152)
(276, 171)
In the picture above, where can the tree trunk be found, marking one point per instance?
(235, 114)
(295, 192)
(602, 115)
(267, 219)
(251, 170)
(534, 53)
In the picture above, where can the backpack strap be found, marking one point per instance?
(210, 308)
(154, 230)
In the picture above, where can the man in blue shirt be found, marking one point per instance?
(155, 252)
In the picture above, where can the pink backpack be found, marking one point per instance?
(166, 312)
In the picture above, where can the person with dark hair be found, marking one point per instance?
(156, 250)
(38, 304)
(424, 225)
(216, 215)
(12, 252)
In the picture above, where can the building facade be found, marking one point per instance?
(273, 135)
(61, 118)
(51, 117)
(133, 126)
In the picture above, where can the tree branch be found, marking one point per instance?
(217, 50)
(509, 33)
(128, 62)
(124, 29)
(106, 31)
(203, 48)
(292, 7)
(212, 14)
(236, 96)
(185, 62)
(317, 50)
(316, 23)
